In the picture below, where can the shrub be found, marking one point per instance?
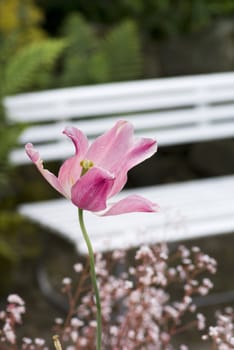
(144, 307)
(94, 58)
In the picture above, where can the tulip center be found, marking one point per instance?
(86, 164)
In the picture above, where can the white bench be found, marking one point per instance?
(172, 110)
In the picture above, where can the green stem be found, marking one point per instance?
(93, 279)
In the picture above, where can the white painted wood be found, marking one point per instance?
(124, 97)
(142, 121)
(174, 111)
(64, 110)
(186, 134)
(212, 81)
(188, 210)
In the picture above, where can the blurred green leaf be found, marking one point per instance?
(92, 57)
(122, 51)
(24, 68)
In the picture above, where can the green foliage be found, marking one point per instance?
(17, 237)
(27, 68)
(170, 17)
(18, 240)
(82, 47)
(122, 51)
(155, 17)
(30, 66)
(21, 19)
(91, 58)
(24, 65)
(8, 137)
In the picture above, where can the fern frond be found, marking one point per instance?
(82, 45)
(90, 60)
(123, 52)
(22, 69)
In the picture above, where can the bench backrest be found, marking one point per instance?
(172, 110)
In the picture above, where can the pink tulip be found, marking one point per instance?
(99, 171)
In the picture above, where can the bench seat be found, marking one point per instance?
(188, 210)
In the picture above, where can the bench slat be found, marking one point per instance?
(115, 98)
(62, 110)
(63, 149)
(43, 133)
(166, 85)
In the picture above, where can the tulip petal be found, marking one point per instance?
(142, 149)
(108, 149)
(70, 170)
(79, 139)
(91, 190)
(69, 173)
(50, 177)
(130, 204)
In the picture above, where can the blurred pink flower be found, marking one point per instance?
(99, 171)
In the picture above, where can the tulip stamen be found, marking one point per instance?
(86, 164)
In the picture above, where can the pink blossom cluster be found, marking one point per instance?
(10, 317)
(222, 334)
(147, 299)
(140, 307)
